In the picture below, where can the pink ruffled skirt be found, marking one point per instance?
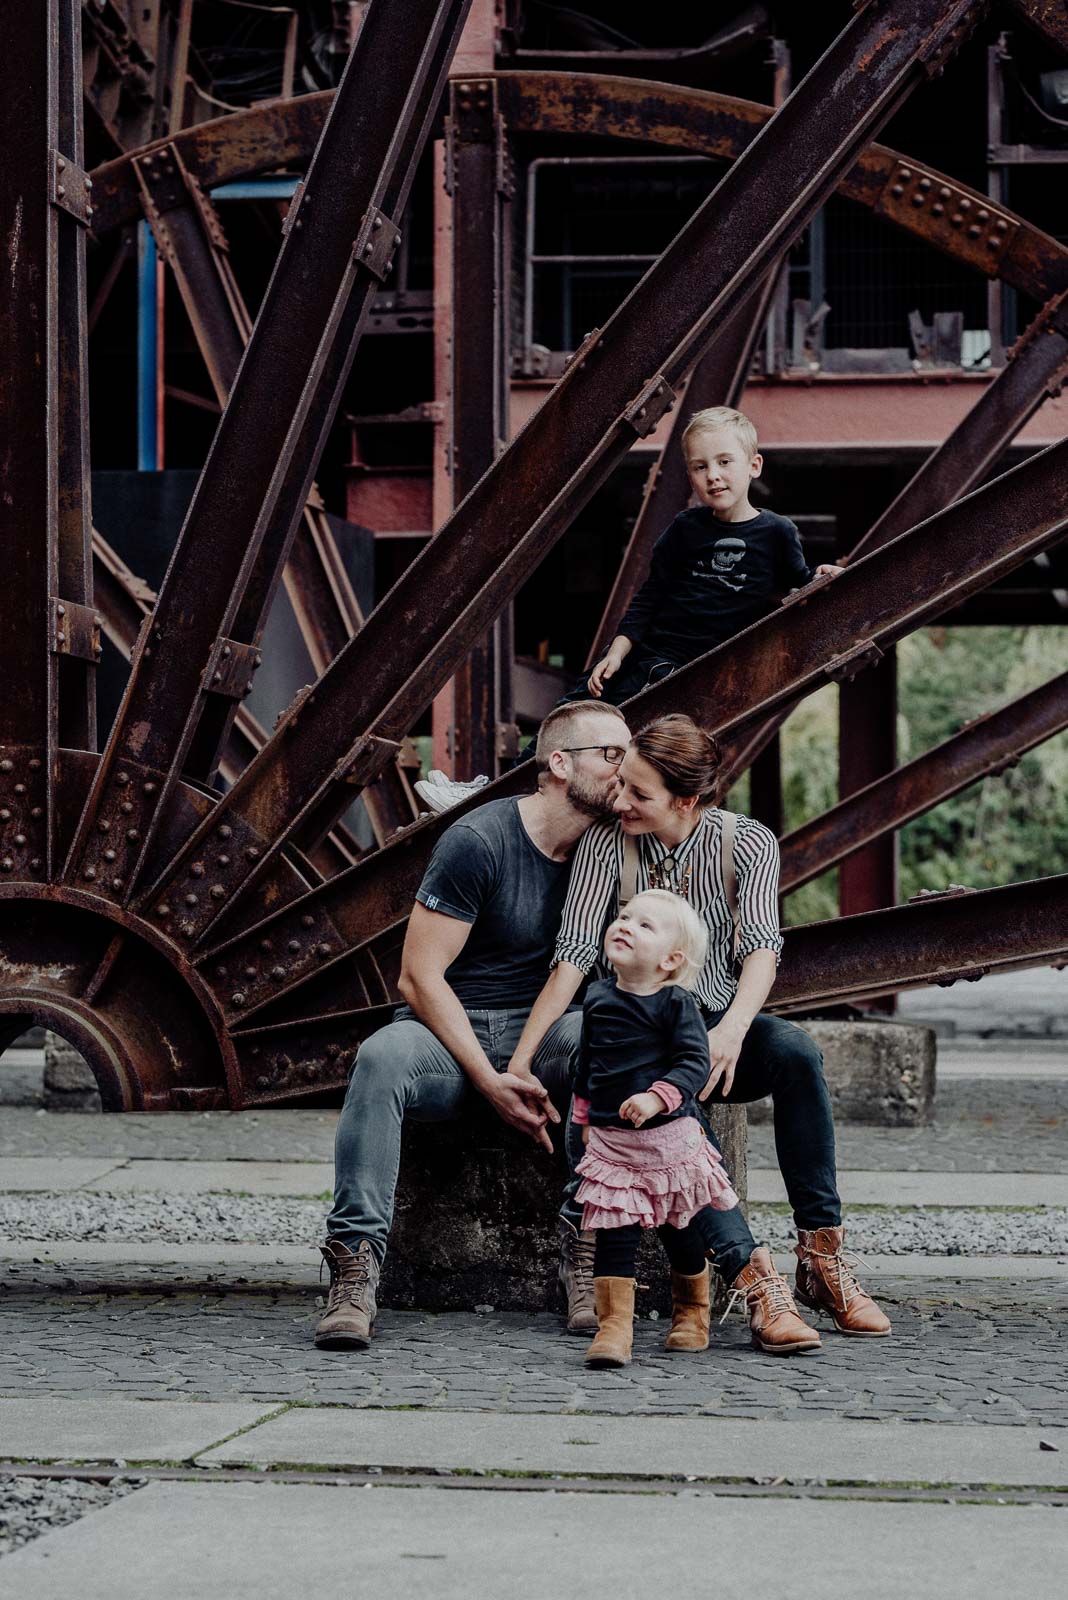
(662, 1175)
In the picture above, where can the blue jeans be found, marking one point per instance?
(404, 1070)
(780, 1059)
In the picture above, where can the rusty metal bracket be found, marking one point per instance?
(376, 242)
(230, 668)
(654, 402)
(845, 667)
(944, 210)
(365, 758)
(168, 185)
(69, 188)
(75, 630)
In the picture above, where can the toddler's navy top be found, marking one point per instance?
(631, 1041)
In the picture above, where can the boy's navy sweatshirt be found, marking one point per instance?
(709, 579)
(631, 1041)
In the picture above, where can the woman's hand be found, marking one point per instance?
(640, 1107)
(725, 1042)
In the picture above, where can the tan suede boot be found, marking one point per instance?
(825, 1282)
(351, 1305)
(689, 1312)
(614, 1298)
(776, 1327)
(576, 1276)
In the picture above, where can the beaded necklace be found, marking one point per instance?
(671, 874)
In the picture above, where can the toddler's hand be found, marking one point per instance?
(586, 1135)
(640, 1107)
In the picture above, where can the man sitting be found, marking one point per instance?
(476, 955)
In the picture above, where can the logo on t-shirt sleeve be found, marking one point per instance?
(431, 902)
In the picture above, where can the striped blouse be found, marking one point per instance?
(593, 896)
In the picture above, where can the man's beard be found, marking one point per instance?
(590, 799)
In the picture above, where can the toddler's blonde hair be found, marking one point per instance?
(691, 934)
(722, 417)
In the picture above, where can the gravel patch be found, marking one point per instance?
(151, 1218)
(148, 1218)
(933, 1231)
(32, 1507)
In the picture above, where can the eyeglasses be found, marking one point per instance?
(612, 753)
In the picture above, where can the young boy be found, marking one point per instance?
(715, 569)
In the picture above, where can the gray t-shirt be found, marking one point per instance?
(487, 871)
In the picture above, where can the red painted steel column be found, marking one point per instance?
(867, 750)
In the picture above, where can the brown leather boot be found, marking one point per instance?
(614, 1298)
(351, 1307)
(689, 1312)
(776, 1327)
(576, 1276)
(825, 1282)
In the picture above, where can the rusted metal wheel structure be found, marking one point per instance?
(204, 948)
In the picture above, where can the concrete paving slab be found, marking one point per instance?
(860, 1188)
(712, 1447)
(128, 1430)
(298, 1265)
(44, 1174)
(296, 1178)
(274, 1541)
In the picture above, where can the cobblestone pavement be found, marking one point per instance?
(960, 1353)
(981, 1125)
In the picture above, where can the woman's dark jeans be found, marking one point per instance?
(779, 1059)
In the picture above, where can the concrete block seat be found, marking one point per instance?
(475, 1222)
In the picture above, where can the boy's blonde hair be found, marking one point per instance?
(722, 417)
(691, 934)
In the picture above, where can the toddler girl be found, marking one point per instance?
(648, 1164)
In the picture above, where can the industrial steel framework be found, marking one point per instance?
(205, 949)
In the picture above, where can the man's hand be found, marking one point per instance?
(725, 1042)
(523, 1103)
(606, 668)
(828, 569)
(640, 1107)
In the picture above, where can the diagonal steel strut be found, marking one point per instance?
(1037, 369)
(339, 246)
(614, 392)
(840, 627)
(984, 747)
(939, 938)
(191, 240)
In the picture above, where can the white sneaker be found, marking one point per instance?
(441, 794)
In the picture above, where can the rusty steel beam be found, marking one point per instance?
(717, 380)
(936, 938)
(193, 243)
(1048, 18)
(123, 601)
(819, 637)
(479, 180)
(867, 751)
(340, 245)
(46, 616)
(961, 222)
(982, 748)
(1036, 370)
(836, 627)
(616, 390)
